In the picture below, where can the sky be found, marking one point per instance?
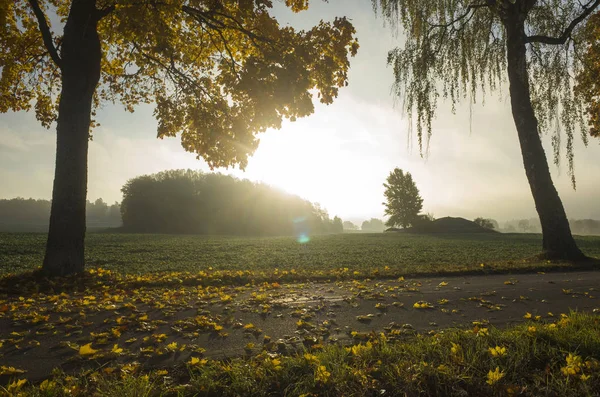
(339, 156)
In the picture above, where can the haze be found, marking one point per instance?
(338, 157)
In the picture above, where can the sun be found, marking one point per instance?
(312, 164)
(292, 161)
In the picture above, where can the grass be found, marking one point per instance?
(559, 358)
(400, 254)
(136, 284)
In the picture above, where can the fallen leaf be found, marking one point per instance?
(86, 350)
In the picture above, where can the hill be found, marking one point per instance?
(446, 225)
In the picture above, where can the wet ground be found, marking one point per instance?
(161, 327)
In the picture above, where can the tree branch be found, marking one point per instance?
(464, 19)
(562, 39)
(104, 12)
(172, 71)
(470, 8)
(212, 22)
(45, 30)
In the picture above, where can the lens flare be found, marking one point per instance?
(303, 238)
(301, 230)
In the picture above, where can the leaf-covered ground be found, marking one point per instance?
(105, 323)
(403, 254)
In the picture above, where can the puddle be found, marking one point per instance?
(290, 299)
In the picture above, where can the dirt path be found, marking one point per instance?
(40, 332)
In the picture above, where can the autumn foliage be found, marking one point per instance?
(218, 71)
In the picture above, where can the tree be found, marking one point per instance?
(349, 226)
(219, 72)
(97, 211)
(459, 48)
(337, 225)
(114, 214)
(403, 202)
(585, 226)
(524, 225)
(486, 222)
(20, 215)
(365, 226)
(373, 225)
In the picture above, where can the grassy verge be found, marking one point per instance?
(555, 359)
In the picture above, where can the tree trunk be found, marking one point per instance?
(80, 67)
(558, 243)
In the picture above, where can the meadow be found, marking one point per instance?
(387, 253)
(147, 314)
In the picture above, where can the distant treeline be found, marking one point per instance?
(578, 226)
(370, 226)
(186, 201)
(30, 215)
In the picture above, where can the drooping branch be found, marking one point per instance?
(470, 8)
(463, 19)
(45, 30)
(587, 10)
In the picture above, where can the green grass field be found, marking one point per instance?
(401, 253)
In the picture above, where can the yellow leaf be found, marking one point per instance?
(497, 351)
(494, 376)
(160, 337)
(195, 361)
(86, 350)
(321, 374)
(172, 346)
(15, 386)
(10, 371)
(47, 385)
(116, 349)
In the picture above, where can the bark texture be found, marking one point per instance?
(558, 242)
(80, 67)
